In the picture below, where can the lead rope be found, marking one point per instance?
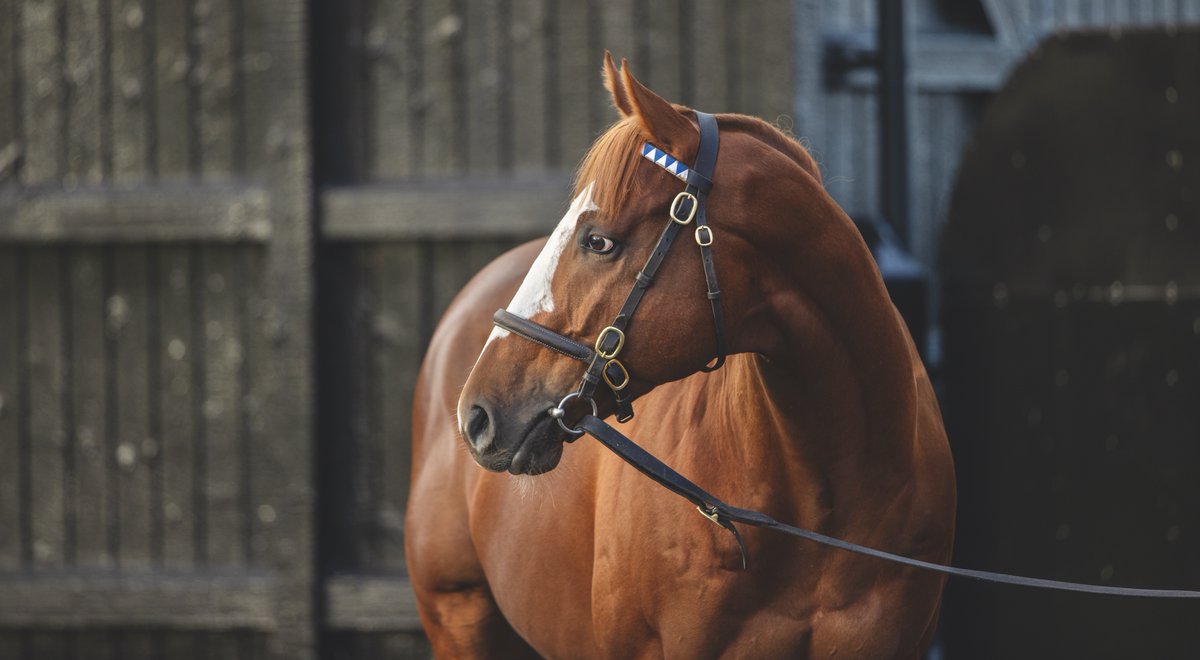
(725, 515)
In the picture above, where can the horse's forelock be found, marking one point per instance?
(610, 163)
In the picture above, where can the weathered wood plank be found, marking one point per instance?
(480, 209)
(256, 333)
(285, 474)
(182, 645)
(84, 161)
(197, 601)
(576, 68)
(710, 27)
(127, 311)
(442, 36)
(90, 384)
(130, 126)
(172, 67)
(42, 93)
(223, 213)
(223, 352)
(771, 34)
(529, 86)
(11, 335)
(395, 365)
(135, 645)
(10, 88)
(482, 37)
(257, 68)
(367, 449)
(177, 448)
(46, 369)
(215, 76)
(664, 70)
(51, 645)
(370, 604)
(385, 50)
(94, 645)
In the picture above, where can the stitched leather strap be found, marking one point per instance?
(540, 334)
(725, 515)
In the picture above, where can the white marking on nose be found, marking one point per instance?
(534, 294)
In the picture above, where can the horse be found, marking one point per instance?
(522, 542)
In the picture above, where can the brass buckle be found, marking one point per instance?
(600, 342)
(712, 514)
(702, 242)
(678, 202)
(624, 375)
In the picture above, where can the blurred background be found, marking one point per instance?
(228, 229)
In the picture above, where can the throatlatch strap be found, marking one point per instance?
(725, 515)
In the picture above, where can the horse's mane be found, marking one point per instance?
(611, 160)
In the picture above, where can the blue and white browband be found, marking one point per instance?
(665, 161)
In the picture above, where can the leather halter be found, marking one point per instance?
(602, 360)
(689, 205)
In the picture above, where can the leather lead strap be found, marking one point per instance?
(725, 515)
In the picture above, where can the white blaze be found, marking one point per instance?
(535, 295)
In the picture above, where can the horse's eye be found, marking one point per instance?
(599, 244)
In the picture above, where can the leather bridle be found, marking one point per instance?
(603, 365)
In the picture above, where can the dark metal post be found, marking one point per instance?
(893, 116)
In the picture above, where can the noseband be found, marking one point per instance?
(603, 364)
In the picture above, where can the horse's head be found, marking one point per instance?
(581, 278)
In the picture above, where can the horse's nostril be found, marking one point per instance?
(479, 427)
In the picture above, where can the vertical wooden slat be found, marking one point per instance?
(386, 50)
(366, 447)
(176, 446)
(285, 475)
(214, 74)
(84, 164)
(443, 28)
(663, 36)
(46, 365)
(89, 382)
(256, 326)
(528, 95)
(135, 448)
(180, 645)
(709, 27)
(257, 67)
(42, 93)
(774, 23)
(129, 126)
(51, 645)
(222, 400)
(133, 645)
(576, 66)
(171, 69)
(93, 645)
(395, 365)
(10, 407)
(10, 99)
(483, 85)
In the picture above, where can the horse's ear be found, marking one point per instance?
(661, 122)
(616, 86)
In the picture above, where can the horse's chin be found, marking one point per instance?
(537, 451)
(540, 450)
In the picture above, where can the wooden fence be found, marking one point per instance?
(206, 362)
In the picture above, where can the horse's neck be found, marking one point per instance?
(837, 387)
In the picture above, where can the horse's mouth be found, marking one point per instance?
(540, 450)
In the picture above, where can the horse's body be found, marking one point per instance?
(824, 418)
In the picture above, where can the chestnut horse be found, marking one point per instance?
(823, 416)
